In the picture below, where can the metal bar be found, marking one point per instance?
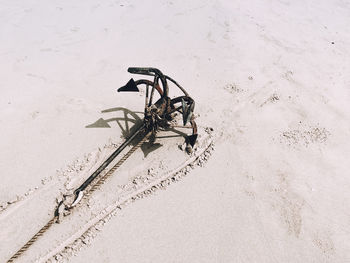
(175, 109)
(180, 126)
(146, 100)
(149, 71)
(155, 82)
(108, 161)
(177, 84)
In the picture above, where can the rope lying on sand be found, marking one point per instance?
(83, 236)
(33, 239)
(99, 182)
(157, 115)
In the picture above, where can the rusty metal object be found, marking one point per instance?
(160, 113)
(157, 115)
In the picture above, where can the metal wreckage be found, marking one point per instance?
(158, 115)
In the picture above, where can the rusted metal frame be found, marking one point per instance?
(189, 99)
(155, 82)
(194, 126)
(177, 84)
(165, 105)
(180, 98)
(152, 72)
(150, 83)
(180, 126)
(176, 109)
(146, 99)
(155, 86)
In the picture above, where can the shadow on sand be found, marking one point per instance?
(128, 123)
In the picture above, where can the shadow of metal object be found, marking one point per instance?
(129, 123)
(100, 123)
(149, 147)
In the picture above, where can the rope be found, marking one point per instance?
(116, 166)
(90, 191)
(32, 240)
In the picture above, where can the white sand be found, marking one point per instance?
(271, 77)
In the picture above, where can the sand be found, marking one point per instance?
(270, 77)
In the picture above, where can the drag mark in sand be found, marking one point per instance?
(289, 205)
(305, 136)
(86, 233)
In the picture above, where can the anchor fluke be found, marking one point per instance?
(129, 87)
(187, 110)
(191, 139)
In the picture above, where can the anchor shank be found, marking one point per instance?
(109, 160)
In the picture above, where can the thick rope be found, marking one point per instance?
(33, 239)
(89, 192)
(116, 166)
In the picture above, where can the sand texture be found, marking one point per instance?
(268, 180)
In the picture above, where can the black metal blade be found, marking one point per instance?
(130, 86)
(192, 139)
(186, 112)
